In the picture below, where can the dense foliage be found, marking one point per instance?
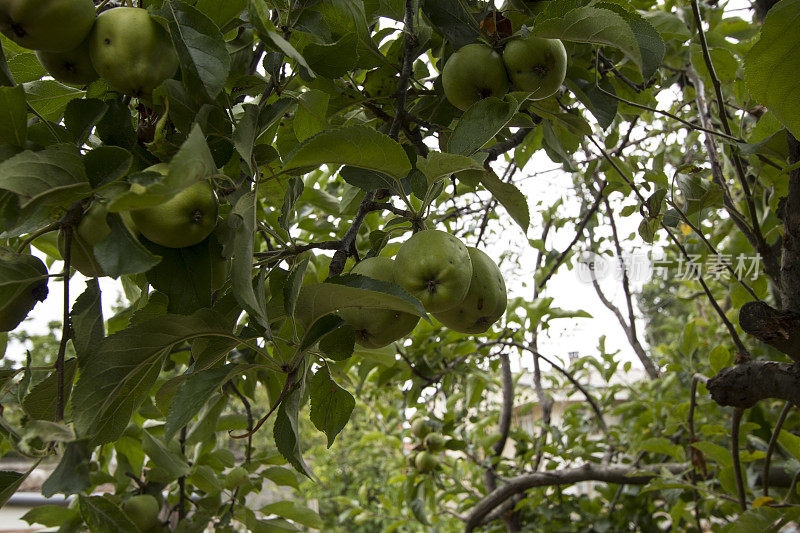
(229, 163)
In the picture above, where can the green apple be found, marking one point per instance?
(536, 65)
(420, 428)
(485, 301)
(426, 462)
(19, 299)
(434, 442)
(143, 511)
(92, 229)
(472, 73)
(435, 268)
(376, 328)
(184, 220)
(131, 51)
(54, 25)
(73, 66)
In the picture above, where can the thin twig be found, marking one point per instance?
(773, 441)
(737, 465)
(578, 232)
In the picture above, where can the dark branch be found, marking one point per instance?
(621, 474)
(746, 384)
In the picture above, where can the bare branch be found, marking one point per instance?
(621, 474)
(773, 441)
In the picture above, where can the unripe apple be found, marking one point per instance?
(536, 65)
(184, 220)
(426, 462)
(472, 73)
(131, 51)
(54, 25)
(434, 442)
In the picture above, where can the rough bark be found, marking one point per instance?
(746, 384)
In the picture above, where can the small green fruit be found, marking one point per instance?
(73, 66)
(420, 428)
(434, 442)
(54, 25)
(536, 65)
(92, 229)
(485, 301)
(21, 301)
(376, 328)
(426, 462)
(184, 220)
(472, 73)
(131, 51)
(435, 268)
(143, 511)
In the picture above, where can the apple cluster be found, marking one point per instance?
(124, 45)
(532, 64)
(430, 445)
(459, 285)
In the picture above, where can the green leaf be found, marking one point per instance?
(333, 60)
(167, 461)
(509, 196)
(40, 402)
(311, 117)
(119, 374)
(121, 252)
(51, 516)
(102, 515)
(331, 405)
(480, 123)
(13, 116)
(49, 98)
(352, 290)
(287, 430)
(53, 176)
(246, 132)
(719, 358)
(81, 116)
(651, 45)
(192, 394)
(191, 164)
(71, 476)
(267, 32)
(717, 453)
(280, 476)
(439, 165)
(339, 344)
(451, 19)
(17, 273)
(26, 67)
(184, 275)
(204, 59)
(86, 320)
(595, 26)
(358, 146)
(10, 482)
(6, 79)
(771, 65)
(221, 13)
(368, 180)
(243, 220)
(106, 164)
(294, 512)
(790, 442)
